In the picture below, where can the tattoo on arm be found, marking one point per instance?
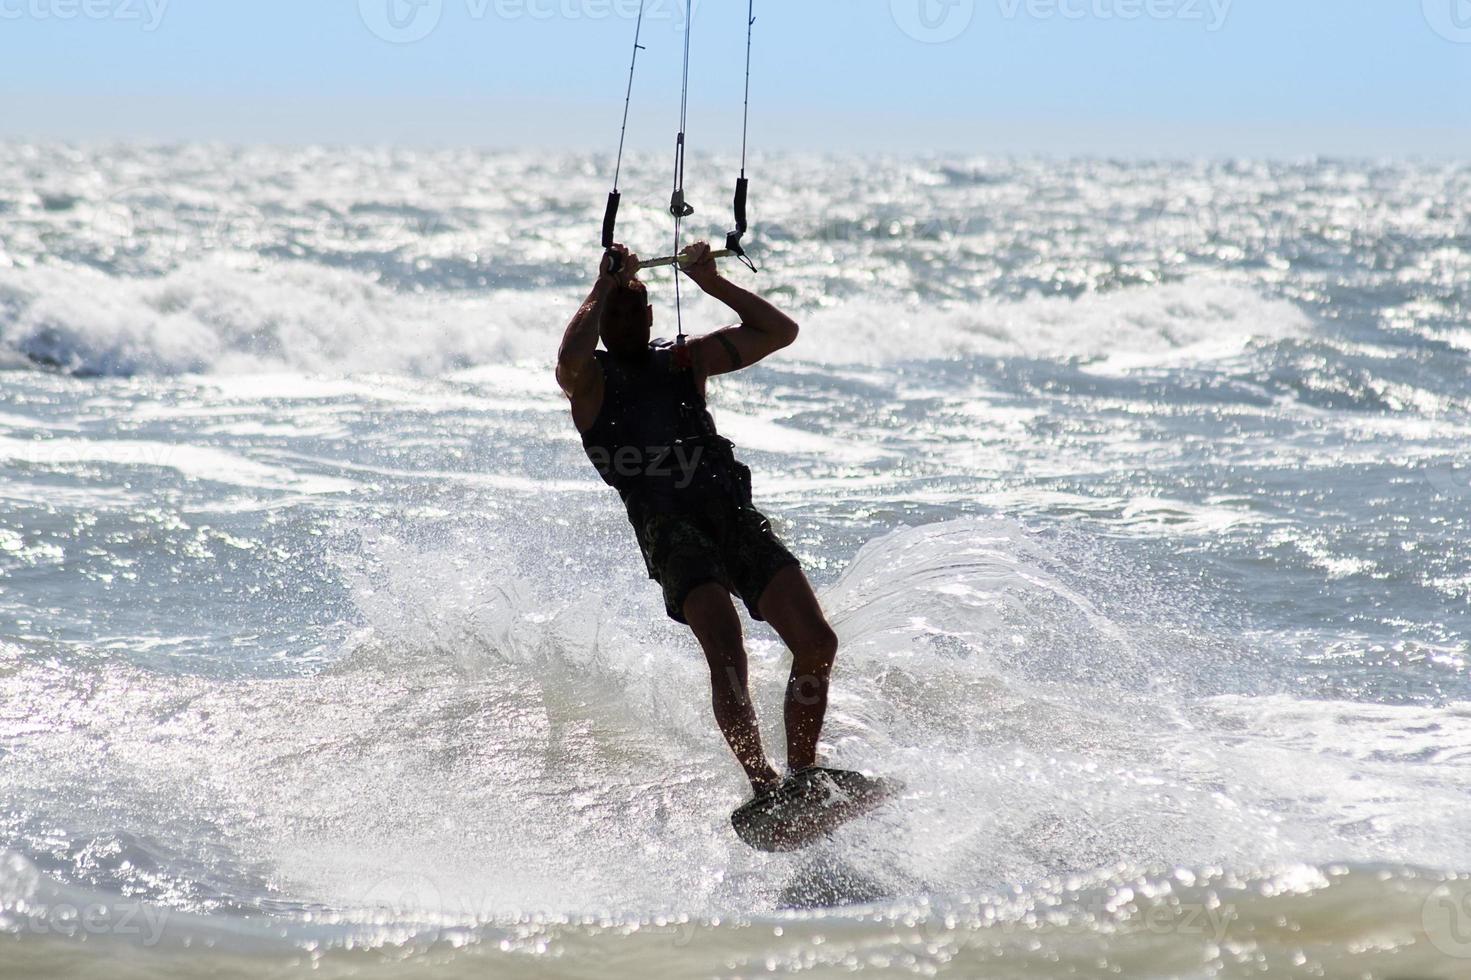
(730, 348)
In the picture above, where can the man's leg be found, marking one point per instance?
(790, 606)
(713, 618)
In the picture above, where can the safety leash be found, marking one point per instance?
(678, 206)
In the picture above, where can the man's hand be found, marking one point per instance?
(627, 266)
(697, 263)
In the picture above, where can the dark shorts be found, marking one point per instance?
(729, 545)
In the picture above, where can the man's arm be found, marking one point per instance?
(577, 372)
(764, 329)
(575, 364)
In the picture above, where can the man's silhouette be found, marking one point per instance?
(640, 408)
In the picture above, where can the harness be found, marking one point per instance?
(655, 442)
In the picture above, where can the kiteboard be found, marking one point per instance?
(809, 805)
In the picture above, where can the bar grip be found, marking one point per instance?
(740, 204)
(610, 219)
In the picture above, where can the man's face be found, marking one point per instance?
(627, 325)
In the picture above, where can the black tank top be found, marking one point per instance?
(655, 442)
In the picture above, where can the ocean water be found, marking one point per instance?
(1139, 495)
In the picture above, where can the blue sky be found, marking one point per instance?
(1118, 77)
